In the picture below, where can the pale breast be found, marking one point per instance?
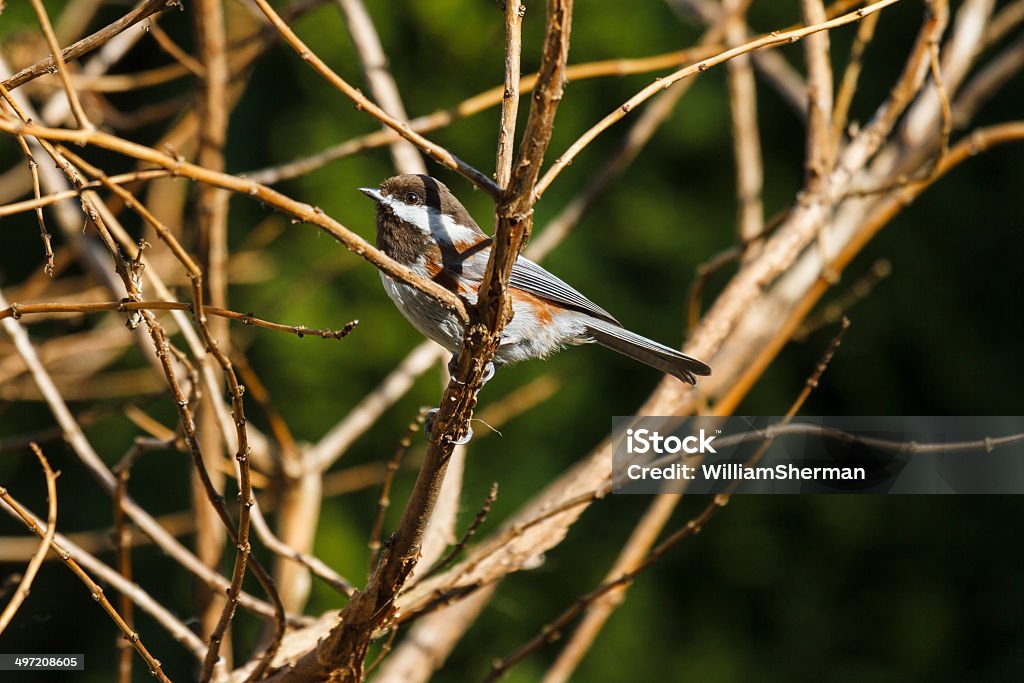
(429, 317)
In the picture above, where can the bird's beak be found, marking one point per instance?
(372, 193)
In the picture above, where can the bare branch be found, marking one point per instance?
(85, 452)
(745, 131)
(514, 12)
(25, 585)
(380, 81)
(16, 310)
(90, 43)
(771, 40)
(848, 84)
(94, 589)
(475, 105)
(301, 211)
(61, 67)
(431, 149)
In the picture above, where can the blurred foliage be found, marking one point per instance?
(855, 588)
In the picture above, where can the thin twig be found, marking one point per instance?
(94, 588)
(384, 650)
(16, 310)
(705, 271)
(46, 200)
(90, 43)
(379, 80)
(314, 564)
(25, 585)
(834, 311)
(745, 131)
(481, 517)
(301, 211)
(431, 149)
(194, 66)
(33, 168)
(474, 105)
(384, 497)
(58, 60)
(820, 147)
(770, 40)
(848, 83)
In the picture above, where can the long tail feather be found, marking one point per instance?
(646, 351)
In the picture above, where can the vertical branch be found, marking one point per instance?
(33, 168)
(122, 543)
(820, 148)
(514, 12)
(515, 204)
(745, 133)
(344, 650)
(821, 145)
(211, 209)
(380, 81)
(848, 84)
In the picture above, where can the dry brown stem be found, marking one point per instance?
(89, 43)
(46, 533)
(25, 585)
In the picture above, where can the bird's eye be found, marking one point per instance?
(412, 198)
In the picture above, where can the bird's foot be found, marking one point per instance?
(429, 424)
(488, 374)
(488, 371)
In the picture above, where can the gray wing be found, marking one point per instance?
(529, 277)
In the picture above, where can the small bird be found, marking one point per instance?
(422, 225)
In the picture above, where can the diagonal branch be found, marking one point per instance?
(380, 81)
(300, 210)
(771, 40)
(44, 543)
(91, 42)
(431, 149)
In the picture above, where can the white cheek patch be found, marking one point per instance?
(416, 216)
(430, 221)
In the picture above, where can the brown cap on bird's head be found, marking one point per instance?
(421, 190)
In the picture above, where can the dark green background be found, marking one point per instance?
(845, 588)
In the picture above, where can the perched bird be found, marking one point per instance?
(422, 225)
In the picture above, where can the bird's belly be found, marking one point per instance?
(527, 337)
(524, 337)
(428, 316)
